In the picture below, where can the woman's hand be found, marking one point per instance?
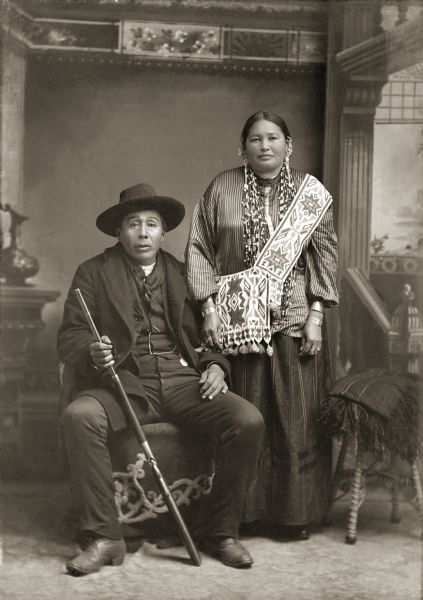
(211, 330)
(212, 382)
(102, 353)
(312, 336)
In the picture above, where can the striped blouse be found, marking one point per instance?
(216, 247)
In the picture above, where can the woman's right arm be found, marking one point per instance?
(200, 261)
(211, 323)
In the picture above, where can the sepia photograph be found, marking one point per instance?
(211, 300)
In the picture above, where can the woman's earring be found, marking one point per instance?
(288, 150)
(241, 153)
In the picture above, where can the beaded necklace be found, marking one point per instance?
(256, 228)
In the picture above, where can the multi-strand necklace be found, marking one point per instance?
(257, 223)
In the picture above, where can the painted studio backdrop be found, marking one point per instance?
(99, 96)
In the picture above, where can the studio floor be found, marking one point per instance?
(385, 563)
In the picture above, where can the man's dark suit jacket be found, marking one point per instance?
(104, 283)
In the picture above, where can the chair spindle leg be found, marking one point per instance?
(419, 492)
(356, 499)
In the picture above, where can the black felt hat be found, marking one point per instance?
(141, 197)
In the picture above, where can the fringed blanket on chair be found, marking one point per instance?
(378, 407)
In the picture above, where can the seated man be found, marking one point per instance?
(137, 297)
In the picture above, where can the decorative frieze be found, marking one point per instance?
(170, 40)
(256, 44)
(61, 34)
(221, 43)
(275, 45)
(175, 41)
(312, 46)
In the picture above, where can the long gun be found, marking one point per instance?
(168, 498)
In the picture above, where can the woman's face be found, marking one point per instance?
(265, 148)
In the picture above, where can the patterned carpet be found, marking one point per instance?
(385, 563)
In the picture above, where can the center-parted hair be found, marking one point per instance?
(263, 115)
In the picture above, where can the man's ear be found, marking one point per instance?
(118, 232)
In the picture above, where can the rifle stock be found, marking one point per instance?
(167, 495)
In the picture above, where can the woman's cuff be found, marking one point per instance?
(318, 306)
(208, 310)
(208, 306)
(207, 302)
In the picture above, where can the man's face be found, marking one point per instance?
(141, 234)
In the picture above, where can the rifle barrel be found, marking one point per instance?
(167, 495)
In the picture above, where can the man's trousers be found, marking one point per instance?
(233, 425)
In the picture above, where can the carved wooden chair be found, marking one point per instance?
(378, 413)
(184, 461)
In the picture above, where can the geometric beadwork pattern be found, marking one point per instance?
(284, 247)
(215, 43)
(243, 306)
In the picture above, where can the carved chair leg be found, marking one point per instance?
(327, 519)
(357, 497)
(419, 492)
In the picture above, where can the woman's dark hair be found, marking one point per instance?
(263, 115)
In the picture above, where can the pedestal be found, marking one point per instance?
(20, 320)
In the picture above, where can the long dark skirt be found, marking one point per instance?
(292, 484)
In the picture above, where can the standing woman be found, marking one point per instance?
(286, 378)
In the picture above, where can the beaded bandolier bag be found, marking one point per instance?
(252, 303)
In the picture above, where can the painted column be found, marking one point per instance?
(351, 102)
(12, 123)
(355, 172)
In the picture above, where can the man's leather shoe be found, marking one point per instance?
(97, 554)
(230, 552)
